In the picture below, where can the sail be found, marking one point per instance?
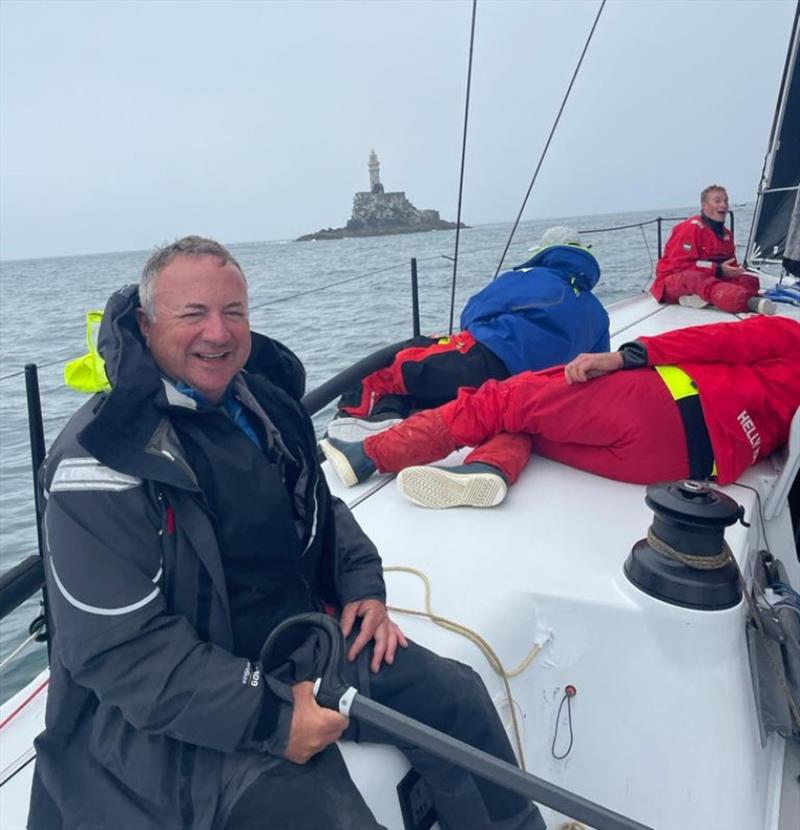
(791, 254)
(778, 207)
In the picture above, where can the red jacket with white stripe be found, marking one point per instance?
(748, 379)
(692, 246)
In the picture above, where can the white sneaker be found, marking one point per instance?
(692, 301)
(441, 487)
(761, 305)
(358, 429)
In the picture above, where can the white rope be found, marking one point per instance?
(488, 652)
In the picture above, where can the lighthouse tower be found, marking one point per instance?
(375, 185)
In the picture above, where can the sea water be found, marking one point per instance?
(332, 302)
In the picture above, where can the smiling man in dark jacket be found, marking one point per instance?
(186, 516)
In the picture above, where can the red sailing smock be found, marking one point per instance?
(624, 425)
(689, 266)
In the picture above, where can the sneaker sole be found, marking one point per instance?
(692, 301)
(354, 429)
(439, 488)
(339, 463)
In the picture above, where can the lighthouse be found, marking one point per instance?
(376, 212)
(374, 166)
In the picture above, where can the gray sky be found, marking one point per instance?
(124, 124)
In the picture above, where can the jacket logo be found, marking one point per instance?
(750, 431)
(687, 246)
(251, 675)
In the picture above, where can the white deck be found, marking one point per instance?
(664, 721)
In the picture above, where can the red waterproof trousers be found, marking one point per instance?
(730, 294)
(430, 374)
(624, 425)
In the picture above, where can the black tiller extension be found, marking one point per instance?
(332, 692)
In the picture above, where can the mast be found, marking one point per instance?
(777, 213)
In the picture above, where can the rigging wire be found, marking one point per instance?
(38, 366)
(432, 258)
(286, 297)
(647, 246)
(550, 137)
(463, 157)
(624, 227)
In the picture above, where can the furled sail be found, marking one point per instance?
(775, 234)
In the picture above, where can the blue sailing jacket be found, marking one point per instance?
(542, 313)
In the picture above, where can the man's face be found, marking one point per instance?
(201, 331)
(715, 205)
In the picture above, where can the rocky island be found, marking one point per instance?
(377, 213)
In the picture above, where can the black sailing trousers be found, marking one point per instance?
(442, 693)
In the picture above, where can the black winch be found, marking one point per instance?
(684, 559)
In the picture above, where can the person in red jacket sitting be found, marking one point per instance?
(699, 266)
(701, 402)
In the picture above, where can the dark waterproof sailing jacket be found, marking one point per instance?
(145, 693)
(543, 312)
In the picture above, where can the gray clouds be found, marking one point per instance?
(127, 123)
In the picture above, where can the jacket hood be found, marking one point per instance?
(126, 417)
(121, 345)
(570, 261)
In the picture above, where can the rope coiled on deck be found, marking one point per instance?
(473, 636)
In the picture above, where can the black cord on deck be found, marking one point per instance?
(463, 156)
(550, 137)
(569, 693)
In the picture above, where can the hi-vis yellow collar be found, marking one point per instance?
(88, 373)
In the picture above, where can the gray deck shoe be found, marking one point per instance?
(351, 463)
(761, 305)
(470, 485)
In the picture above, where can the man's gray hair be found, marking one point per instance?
(188, 246)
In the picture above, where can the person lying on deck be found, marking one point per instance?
(701, 402)
(186, 517)
(699, 266)
(539, 314)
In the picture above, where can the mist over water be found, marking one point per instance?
(44, 303)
